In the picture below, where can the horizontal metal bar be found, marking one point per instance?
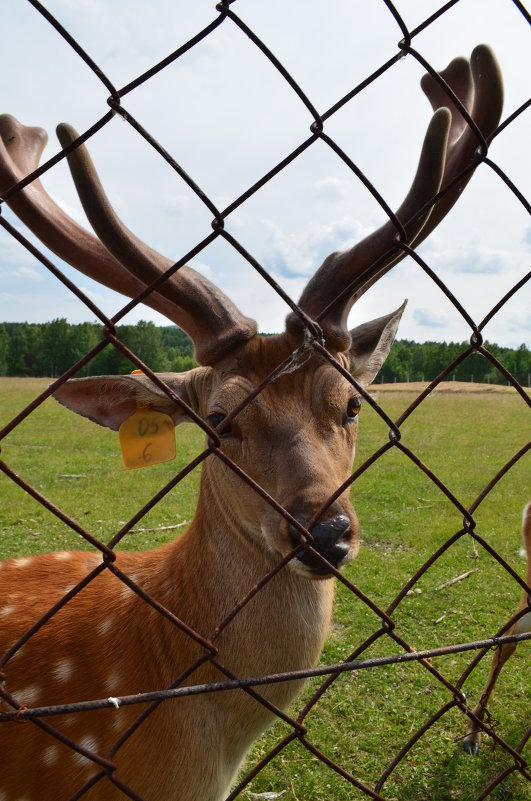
(256, 681)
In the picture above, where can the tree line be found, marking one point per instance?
(411, 361)
(49, 349)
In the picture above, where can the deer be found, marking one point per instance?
(521, 623)
(273, 511)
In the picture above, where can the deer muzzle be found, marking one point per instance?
(331, 540)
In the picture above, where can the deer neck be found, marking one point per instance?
(216, 564)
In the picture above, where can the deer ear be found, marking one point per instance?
(371, 342)
(109, 400)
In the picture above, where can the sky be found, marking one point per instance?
(227, 116)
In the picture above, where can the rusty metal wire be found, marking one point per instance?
(515, 763)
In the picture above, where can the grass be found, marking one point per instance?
(367, 716)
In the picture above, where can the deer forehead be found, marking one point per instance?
(307, 392)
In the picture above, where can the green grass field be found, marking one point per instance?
(367, 716)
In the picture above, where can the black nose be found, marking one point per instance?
(331, 539)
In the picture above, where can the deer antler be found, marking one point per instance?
(124, 263)
(120, 261)
(449, 151)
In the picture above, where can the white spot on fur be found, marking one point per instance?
(4, 612)
(105, 626)
(29, 694)
(63, 670)
(50, 755)
(22, 561)
(62, 555)
(113, 682)
(91, 744)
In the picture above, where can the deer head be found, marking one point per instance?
(295, 437)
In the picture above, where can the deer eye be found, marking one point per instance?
(215, 420)
(353, 407)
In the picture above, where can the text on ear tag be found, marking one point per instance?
(147, 438)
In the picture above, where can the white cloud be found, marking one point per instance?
(95, 295)
(300, 253)
(466, 255)
(520, 322)
(11, 252)
(29, 273)
(331, 189)
(203, 269)
(430, 318)
(176, 205)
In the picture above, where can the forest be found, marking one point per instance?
(49, 349)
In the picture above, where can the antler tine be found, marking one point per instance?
(478, 85)
(215, 325)
(207, 314)
(353, 267)
(20, 150)
(449, 148)
(481, 92)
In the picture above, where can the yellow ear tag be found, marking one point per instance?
(147, 437)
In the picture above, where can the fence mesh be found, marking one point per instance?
(294, 729)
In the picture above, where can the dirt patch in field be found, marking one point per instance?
(445, 387)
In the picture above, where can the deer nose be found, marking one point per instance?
(331, 539)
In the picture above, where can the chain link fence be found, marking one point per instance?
(295, 728)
